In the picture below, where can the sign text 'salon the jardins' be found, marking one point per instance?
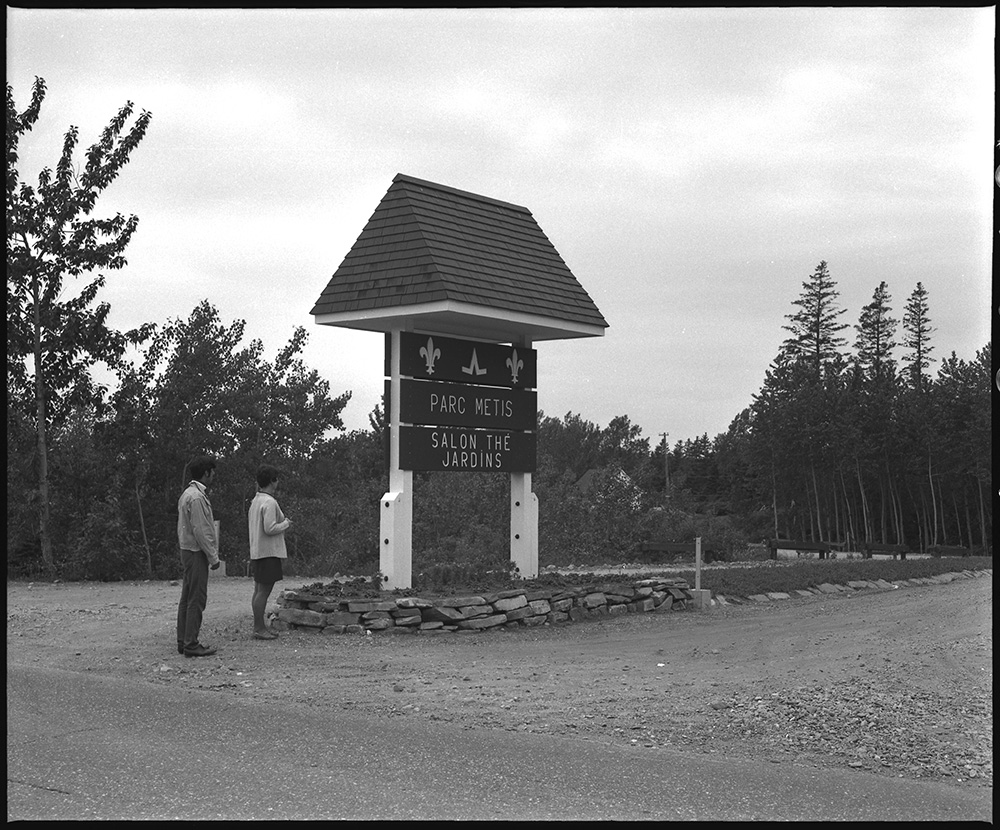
(466, 426)
(449, 449)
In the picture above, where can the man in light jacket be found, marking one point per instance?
(199, 549)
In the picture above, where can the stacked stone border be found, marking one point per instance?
(527, 607)
(516, 607)
(851, 587)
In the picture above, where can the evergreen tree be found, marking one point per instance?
(918, 330)
(876, 338)
(814, 327)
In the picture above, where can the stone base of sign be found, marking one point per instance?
(701, 599)
(515, 607)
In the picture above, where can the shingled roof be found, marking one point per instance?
(441, 260)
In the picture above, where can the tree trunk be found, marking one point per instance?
(44, 516)
(819, 515)
(145, 541)
(968, 525)
(774, 499)
(982, 515)
(837, 518)
(930, 480)
(849, 513)
(897, 512)
(864, 501)
(958, 518)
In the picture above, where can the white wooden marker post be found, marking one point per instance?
(697, 563)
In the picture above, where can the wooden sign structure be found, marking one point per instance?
(468, 426)
(463, 286)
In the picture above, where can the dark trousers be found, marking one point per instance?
(194, 597)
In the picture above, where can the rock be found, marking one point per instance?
(362, 606)
(510, 603)
(666, 605)
(457, 602)
(442, 614)
(483, 622)
(413, 602)
(303, 617)
(341, 618)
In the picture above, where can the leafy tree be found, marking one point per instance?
(55, 337)
(199, 388)
(622, 444)
(570, 443)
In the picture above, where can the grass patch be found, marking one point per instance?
(740, 579)
(765, 578)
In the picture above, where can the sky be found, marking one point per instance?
(691, 166)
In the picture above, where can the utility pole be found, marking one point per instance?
(666, 467)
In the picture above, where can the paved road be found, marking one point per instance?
(86, 747)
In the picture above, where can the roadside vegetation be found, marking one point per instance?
(842, 443)
(740, 579)
(802, 575)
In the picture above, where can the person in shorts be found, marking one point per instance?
(267, 526)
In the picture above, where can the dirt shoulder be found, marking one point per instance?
(896, 681)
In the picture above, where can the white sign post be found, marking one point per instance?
(396, 506)
(523, 520)
(697, 563)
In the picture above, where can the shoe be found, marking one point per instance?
(265, 635)
(198, 650)
(180, 648)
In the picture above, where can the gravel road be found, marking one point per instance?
(895, 681)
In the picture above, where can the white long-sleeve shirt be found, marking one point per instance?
(267, 525)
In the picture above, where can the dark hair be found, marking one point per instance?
(266, 474)
(200, 466)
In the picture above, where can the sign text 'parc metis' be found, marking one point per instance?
(472, 405)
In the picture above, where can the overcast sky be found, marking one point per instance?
(691, 166)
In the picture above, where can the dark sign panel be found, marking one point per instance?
(466, 450)
(454, 404)
(467, 361)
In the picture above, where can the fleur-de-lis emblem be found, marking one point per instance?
(515, 366)
(430, 354)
